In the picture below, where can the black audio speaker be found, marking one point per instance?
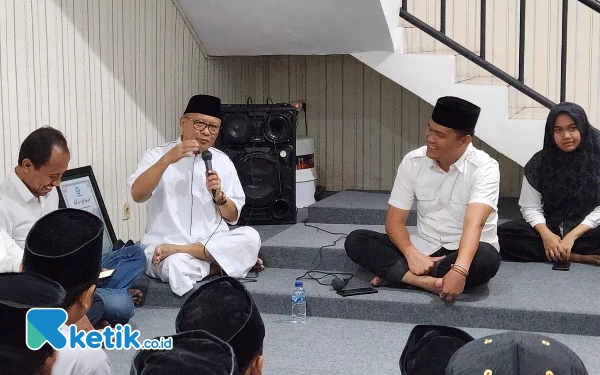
(258, 124)
(261, 142)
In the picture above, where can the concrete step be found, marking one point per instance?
(531, 113)
(361, 207)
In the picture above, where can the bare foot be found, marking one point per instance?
(136, 296)
(215, 269)
(258, 266)
(587, 259)
(379, 281)
(162, 251)
(433, 285)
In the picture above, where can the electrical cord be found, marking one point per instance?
(305, 122)
(192, 211)
(308, 275)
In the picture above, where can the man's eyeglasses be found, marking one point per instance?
(201, 125)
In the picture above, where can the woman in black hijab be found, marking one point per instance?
(560, 196)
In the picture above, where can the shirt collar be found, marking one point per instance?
(459, 164)
(23, 190)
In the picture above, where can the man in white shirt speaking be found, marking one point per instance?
(189, 206)
(457, 188)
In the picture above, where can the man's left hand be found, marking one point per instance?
(453, 284)
(213, 182)
(564, 248)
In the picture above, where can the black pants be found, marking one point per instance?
(376, 252)
(520, 242)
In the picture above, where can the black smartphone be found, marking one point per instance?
(561, 266)
(356, 291)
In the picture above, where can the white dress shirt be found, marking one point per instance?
(11, 254)
(20, 209)
(442, 197)
(80, 361)
(180, 210)
(532, 208)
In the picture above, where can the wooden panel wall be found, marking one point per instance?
(113, 75)
(363, 123)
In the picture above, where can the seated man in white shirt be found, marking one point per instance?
(72, 258)
(560, 196)
(19, 292)
(189, 208)
(30, 192)
(457, 188)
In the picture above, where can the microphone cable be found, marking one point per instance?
(308, 275)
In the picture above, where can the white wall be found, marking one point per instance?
(113, 75)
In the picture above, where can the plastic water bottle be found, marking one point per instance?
(298, 303)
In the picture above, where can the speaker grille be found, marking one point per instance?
(259, 175)
(239, 128)
(277, 128)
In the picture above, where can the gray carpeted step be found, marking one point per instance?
(360, 207)
(300, 247)
(529, 297)
(325, 346)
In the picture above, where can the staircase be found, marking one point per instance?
(527, 49)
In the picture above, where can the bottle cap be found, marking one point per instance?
(298, 284)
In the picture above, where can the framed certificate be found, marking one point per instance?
(79, 189)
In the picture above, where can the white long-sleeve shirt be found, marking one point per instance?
(532, 208)
(180, 209)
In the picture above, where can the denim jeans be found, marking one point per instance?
(112, 301)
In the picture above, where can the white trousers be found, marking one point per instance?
(236, 251)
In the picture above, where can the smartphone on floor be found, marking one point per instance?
(356, 291)
(561, 266)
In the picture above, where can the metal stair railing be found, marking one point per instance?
(480, 59)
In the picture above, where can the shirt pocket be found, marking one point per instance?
(426, 202)
(458, 205)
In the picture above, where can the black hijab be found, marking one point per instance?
(569, 182)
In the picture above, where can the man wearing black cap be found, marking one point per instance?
(456, 187)
(188, 208)
(20, 292)
(193, 353)
(515, 353)
(66, 246)
(224, 308)
(429, 349)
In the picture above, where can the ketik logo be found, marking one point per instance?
(42, 326)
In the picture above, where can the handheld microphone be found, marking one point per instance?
(207, 157)
(339, 283)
